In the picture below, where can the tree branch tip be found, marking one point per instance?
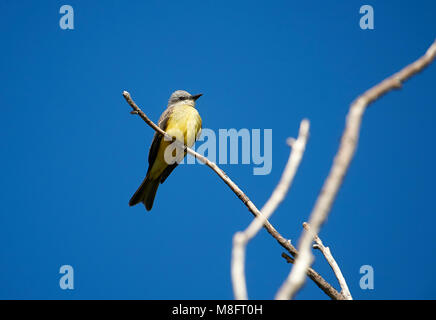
(133, 112)
(305, 124)
(126, 94)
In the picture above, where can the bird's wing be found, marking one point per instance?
(154, 148)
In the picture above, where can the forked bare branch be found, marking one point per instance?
(332, 262)
(339, 168)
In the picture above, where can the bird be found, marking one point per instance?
(180, 120)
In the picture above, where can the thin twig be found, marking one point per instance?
(288, 258)
(241, 238)
(319, 281)
(332, 262)
(339, 168)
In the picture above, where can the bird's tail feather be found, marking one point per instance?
(145, 193)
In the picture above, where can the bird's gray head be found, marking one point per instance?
(183, 97)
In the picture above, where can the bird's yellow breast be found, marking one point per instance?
(184, 123)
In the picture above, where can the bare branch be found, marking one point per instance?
(339, 168)
(319, 281)
(332, 262)
(241, 238)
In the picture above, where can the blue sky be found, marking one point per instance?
(72, 155)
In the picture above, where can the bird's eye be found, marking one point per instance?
(182, 98)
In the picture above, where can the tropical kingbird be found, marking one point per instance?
(180, 120)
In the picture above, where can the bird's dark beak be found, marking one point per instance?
(196, 96)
